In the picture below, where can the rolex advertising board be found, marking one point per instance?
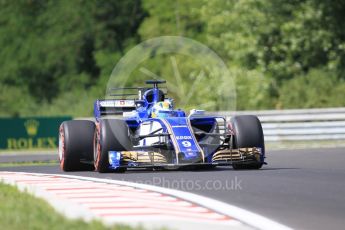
(30, 133)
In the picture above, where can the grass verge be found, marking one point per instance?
(20, 210)
(27, 151)
(31, 163)
(305, 144)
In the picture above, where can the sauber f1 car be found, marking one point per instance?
(152, 134)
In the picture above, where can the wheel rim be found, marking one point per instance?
(61, 150)
(96, 149)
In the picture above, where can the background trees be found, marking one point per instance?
(56, 56)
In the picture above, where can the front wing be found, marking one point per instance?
(155, 159)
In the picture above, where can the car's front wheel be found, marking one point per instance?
(76, 145)
(110, 135)
(248, 134)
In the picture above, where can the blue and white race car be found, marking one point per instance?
(152, 134)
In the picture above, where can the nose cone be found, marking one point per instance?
(190, 157)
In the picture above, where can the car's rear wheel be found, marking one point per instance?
(76, 145)
(247, 134)
(110, 135)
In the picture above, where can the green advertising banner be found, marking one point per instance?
(30, 132)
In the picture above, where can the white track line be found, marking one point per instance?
(131, 203)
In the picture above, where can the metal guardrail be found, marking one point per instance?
(297, 124)
(300, 124)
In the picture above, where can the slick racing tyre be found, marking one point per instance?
(110, 135)
(247, 133)
(76, 145)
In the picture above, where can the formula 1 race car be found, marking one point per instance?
(152, 134)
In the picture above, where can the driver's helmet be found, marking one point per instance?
(163, 109)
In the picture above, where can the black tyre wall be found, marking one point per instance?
(78, 144)
(112, 135)
(248, 132)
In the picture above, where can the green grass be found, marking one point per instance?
(304, 144)
(20, 210)
(27, 151)
(32, 163)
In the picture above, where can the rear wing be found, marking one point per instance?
(138, 93)
(113, 107)
(128, 92)
(127, 99)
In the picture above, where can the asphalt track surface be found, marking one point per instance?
(303, 189)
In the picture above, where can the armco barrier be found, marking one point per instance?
(299, 124)
(278, 125)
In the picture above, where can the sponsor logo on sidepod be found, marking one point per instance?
(183, 137)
